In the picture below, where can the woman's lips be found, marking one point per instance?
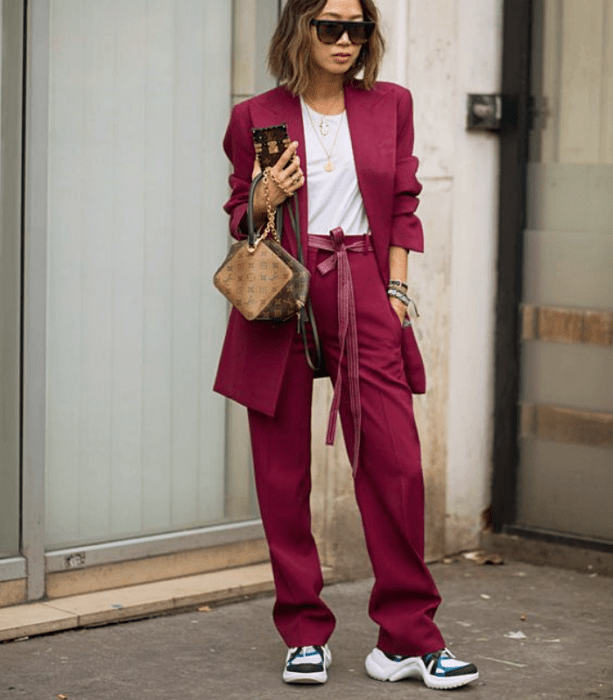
(341, 57)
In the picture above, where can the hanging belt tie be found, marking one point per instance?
(347, 328)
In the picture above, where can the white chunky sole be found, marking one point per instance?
(313, 678)
(305, 678)
(379, 667)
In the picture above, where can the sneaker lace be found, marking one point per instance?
(432, 662)
(302, 651)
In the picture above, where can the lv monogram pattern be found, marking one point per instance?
(266, 285)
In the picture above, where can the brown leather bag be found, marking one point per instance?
(259, 277)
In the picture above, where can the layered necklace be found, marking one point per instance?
(324, 128)
(323, 125)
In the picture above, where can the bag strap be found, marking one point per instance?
(295, 219)
(306, 312)
(252, 233)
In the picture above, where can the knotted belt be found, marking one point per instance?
(347, 327)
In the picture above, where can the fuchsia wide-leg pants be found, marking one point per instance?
(388, 478)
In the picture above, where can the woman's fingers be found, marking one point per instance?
(287, 165)
(287, 155)
(399, 308)
(296, 180)
(288, 171)
(293, 180)
(292, 172)
(287, 174)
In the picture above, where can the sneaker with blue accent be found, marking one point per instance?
(439, 669)
(307, 664)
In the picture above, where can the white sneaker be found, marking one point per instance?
(307, 664)
(439, 669)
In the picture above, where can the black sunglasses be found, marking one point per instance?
(329, 31)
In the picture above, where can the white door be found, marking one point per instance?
(139, 96)
(11, 80)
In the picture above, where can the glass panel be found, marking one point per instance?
(11, 70)
(563, 374)
(139, 101)
(566, 383)
(254, 23)
(570, 488)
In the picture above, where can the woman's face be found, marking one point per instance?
(339, 57)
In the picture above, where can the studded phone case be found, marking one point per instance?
(270, 142)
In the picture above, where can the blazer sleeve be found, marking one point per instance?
(407, 231)
(238, 146)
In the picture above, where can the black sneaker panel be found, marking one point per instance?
(462, 671)
(305, 668)
(395, 657)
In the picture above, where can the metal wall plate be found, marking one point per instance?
(484, 112)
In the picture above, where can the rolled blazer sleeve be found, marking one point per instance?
(407, 230)
(238, 146)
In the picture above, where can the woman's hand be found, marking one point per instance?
(399, 258)
(399, 308)
(282, 183)
(286, 180)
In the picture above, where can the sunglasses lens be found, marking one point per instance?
(358, 34)
(329, 32)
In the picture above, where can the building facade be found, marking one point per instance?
(118, 464)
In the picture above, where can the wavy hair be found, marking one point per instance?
(289, 54)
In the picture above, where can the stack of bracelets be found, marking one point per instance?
(398, 289)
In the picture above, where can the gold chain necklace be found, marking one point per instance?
(329, 166)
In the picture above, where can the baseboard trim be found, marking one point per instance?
(550, 552)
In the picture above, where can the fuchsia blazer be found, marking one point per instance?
(254, 354)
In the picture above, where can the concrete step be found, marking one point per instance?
(133, 601)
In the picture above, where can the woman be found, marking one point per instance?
(351, 167)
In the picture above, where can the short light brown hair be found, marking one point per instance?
(289, 55)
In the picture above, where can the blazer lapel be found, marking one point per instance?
(369, 115)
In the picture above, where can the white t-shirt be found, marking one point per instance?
(334, 197)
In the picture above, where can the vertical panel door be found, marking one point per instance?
(11, 80)
(139, 96)
(566, 465)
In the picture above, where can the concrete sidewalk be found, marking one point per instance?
(533, 632)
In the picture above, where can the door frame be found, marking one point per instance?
(35, 563)
(14, 44)
(517, 30)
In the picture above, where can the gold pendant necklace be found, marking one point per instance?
(329, 165)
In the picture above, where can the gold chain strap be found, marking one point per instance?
(270, 229)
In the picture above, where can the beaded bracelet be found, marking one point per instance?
(398, 283)
(398, 295)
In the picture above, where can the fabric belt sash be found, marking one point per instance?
(339, 246)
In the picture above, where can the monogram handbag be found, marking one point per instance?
(259, 277)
